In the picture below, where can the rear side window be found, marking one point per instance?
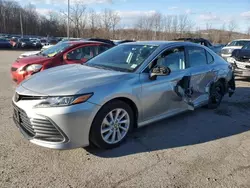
(210, 58)
(197, 56)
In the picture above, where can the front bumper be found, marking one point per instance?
(226, 57)
(242, 68)
(72, 122)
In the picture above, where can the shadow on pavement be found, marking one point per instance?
(190, 128)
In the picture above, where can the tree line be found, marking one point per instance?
(85, 23)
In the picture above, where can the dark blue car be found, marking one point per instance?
(4, 43)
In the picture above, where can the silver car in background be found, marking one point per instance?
(128, 86)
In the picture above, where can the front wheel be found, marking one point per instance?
(217, 92)
(111, 125)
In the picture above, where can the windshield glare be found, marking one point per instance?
(52, 51)
(124, 57)
(238, 43)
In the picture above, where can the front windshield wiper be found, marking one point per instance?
(108, 68)
(98, 66)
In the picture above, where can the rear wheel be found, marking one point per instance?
(112, 125)
(217, 92)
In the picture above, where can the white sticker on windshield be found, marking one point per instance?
(133, 66)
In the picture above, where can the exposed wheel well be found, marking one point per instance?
(131, 104)
(224, 82)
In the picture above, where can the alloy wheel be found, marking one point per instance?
(115, 126)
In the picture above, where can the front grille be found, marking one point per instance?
(41, 129)
(18, 97)
(13, 69)
(242, 59)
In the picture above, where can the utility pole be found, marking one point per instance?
(21, 24)
(68, 20)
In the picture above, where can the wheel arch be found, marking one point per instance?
(131, 103)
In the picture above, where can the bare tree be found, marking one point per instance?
(78, 17)
(93, 22)
(184, 24)
(232, 25)
(248, 31)
(115, 20)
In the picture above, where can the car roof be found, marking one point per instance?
(79, 42)
(241, 39)
(163, 43)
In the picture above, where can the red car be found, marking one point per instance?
(63, 53)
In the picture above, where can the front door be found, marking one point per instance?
(81, 54)
(159, 96)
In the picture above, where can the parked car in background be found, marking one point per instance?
(36, 43)
(52, 41)
(204, 42)
(30, 53)
(4, 43)
(13, 41)
(43, 41)
(21, 43)
(241, 61)
(72, 52)
(128, 86)
(226, 51)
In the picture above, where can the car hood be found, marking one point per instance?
(70, 80)
(34, 59)
(243, 53)
(29, 53)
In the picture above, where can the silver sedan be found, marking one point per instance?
(126, 87)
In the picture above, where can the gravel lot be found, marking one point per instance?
(204, 148)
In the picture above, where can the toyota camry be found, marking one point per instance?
(128, 86)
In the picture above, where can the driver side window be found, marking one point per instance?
(86, 53)
(173, 58)
(75, 54)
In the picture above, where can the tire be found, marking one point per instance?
(105, 135)
(217, 92)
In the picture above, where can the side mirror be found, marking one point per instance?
(159, 71)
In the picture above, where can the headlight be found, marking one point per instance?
(34, 68)
(230, 51)
(63, 101)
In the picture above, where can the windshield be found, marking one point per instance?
(123, 58)
(43, 41)
(52, 51)
(238, 43)
(247, 46)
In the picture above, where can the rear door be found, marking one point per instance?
(201, 74)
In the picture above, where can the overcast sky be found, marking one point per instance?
(201, 12)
